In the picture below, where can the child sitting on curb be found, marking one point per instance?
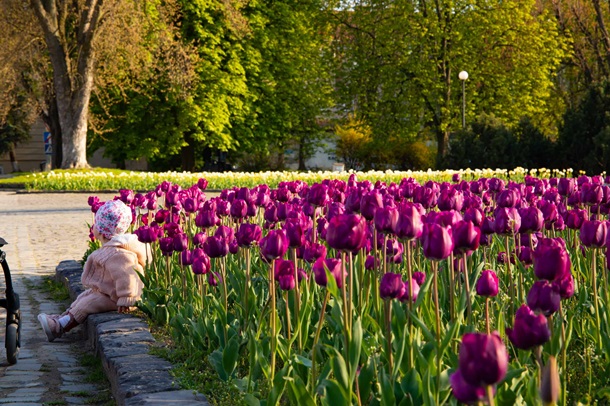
(109, 273)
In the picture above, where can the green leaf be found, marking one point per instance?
(335, 394)
(387, 390)
(300, 393)
(230, 355)
(215, 359)
(354, 348)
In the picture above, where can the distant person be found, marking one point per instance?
(109, 273)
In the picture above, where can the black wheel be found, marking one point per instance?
(11, 339)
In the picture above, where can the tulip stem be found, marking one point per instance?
(297, 299)
(487, 315)
(490, 395)
(564, 356)
(388, 326)
(410, 301)
(468, 304)
(272, 319)
(315, 341)
(346, 315)
(287, 317)
(438, 329)
(247, 287)
(510, 278)
(451, 287)
(594, 277)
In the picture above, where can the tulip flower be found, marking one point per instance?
(566, 186)
(507, 221)
(346, 232)
(591, 194)
(487, 284)
(370, 203)
(529, 330)
(508, 198)
(450, 199)
(318, 195)
(166, 245)
(385, 219)
(466, 237)
(201, 264)
(437, 241)
(409, 224)
(551, 259)
(483, 359)
(294, 232)
(411, 291)
(335, 267)
(465, 392)
(126, 196)
(239, 209)
(247, 234)
(216, 247)
(391, 286)
(593, 233)
(532, 219)
(274, 245)
(543, 297)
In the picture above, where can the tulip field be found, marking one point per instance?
(459, 289)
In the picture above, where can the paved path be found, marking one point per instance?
(43, 229)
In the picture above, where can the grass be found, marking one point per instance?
(194, 372)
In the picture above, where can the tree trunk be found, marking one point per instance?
(13, 158)
(50, 117)
(70, 46)
(187, 153)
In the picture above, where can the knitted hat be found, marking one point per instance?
(113, 218)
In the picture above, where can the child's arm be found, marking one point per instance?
(122, 267)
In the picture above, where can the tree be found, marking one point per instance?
(400, 61)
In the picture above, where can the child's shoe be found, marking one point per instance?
(51, 326)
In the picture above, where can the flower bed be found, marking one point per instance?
(349, 291)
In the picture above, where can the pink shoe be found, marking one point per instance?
(51, 326)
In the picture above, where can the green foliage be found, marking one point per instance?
(488, 143)
(584, 138)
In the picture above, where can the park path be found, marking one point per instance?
(43, 229)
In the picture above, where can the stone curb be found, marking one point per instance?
(122, 342)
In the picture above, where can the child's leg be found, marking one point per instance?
(90, 302)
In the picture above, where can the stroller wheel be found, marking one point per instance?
(11, 339)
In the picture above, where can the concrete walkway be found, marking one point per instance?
(42, 230)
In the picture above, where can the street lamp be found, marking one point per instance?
(463, 75)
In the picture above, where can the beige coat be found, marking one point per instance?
(112, 268)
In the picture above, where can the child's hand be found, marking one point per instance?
(123, 309)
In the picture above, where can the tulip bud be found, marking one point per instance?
(483, 359)
(487, 284)
(550, 384)
(346, 232)
(436, 241)
(544, 297)
(391, 286)
(529, 330)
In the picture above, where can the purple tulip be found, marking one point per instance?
(593, 233)
(575, 218)
(247, 234)
(507, 221)
(347, 232)
(225, 232)
(466, 237)
(391, 286)
(437, 241)
(371, 263)
(526, 256)
(450, 199)
(475, 215)
(419, 277)
(181, 242)
(412, 293)
(334, 266)
(487, 284)
(201, 264)
(465, 392)
(409, 224)
(551, 259)
(369, 203)
(313, 251)
(565, 284)
(508, 198)
(239, 209)
(483, 359)
(186, 257)
(591, 194)
(318, 195)
(529, 330)
(126, 196)
(146, 234)
(393, 251)
(544, 297)
(274, 245)
(216, 247)
(385, 219)
(206, 218)
(166, 245)
(294, 232)
(532, 219)
(566, 186)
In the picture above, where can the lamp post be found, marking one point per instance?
(463, 75)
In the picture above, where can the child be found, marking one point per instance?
(109, 273)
